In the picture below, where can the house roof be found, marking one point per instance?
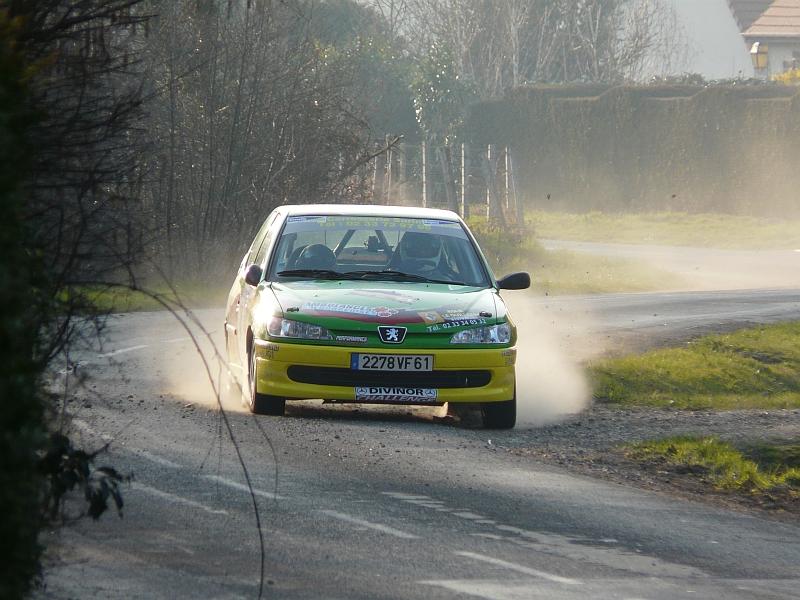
(747, 11)
(780, 20)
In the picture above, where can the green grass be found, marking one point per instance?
(751, 368)
(563, 272)
(773, 456)
(669, 228)
(723, 465)
(117, 299)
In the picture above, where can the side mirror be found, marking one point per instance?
(253, 275)
(515, 281)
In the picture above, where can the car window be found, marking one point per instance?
(259, 239)
(261, 254)
(438, 250)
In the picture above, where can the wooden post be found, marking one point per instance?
(507, 171)
(374, 177)
(447, 174)
(464, 208)
(402, 174)
(389, 159)
(379, 181)
(424, 175)
(489, 181)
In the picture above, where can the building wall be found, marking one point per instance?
(780, 53)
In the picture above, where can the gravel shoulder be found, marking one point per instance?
(589, 444)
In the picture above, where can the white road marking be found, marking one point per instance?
(374, 526)
(123, 351)
(175, 498)
(609, 554)
(490, 589)
(519, 568)
(157, 459)
(402, 496)
(242, 487)
(143, 346)
(176, 340)
(470, 516)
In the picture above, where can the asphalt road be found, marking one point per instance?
(393, 503)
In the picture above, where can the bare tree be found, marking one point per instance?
(249, 112)
(81, 206)
(393, 12)
(499, 44)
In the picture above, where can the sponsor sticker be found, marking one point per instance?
(306, 218)
(431, 317)
(366, 222)
(456, 324)
(379, 395)
(510, 356)
(437, 222)
(348, 309)
(352, 339)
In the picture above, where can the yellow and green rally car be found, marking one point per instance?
(375, 305)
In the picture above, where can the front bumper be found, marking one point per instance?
(273, 361)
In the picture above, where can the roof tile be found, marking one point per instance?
(780, 20)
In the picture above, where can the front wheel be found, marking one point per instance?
(262, 404)
(499, 415)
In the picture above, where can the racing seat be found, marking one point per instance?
(417, 253)
(316, 256)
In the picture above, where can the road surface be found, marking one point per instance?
(394, 503)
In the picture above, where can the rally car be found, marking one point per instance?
(374, 305)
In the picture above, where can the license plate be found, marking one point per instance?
(391, 362)
(399, 395)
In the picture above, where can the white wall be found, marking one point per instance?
(780, 52)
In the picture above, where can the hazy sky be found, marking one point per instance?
(716, 48)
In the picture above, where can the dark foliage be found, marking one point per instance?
(67, 141)
(21, 414)
(67, 468)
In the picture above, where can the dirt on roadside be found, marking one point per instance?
(590, 444)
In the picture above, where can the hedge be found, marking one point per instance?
(639, 148)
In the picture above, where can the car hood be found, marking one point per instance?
(359, 305)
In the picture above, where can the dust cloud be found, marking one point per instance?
(550, 382)
(551, 385)
(184, 372)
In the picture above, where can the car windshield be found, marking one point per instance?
(377, 249)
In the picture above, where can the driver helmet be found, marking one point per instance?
(421, 250)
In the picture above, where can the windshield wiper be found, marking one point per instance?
(399, 275)
(315, 273)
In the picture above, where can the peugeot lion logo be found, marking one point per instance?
(392, 335)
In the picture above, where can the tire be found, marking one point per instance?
(262, 404)
(499, 415)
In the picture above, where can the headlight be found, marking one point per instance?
(496, 334)
(284, 328)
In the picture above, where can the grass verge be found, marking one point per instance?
(117, 299)
(563, 272)
(722, 465)
(669, 228)
(750, 368)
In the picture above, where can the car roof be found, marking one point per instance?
(368, 210)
